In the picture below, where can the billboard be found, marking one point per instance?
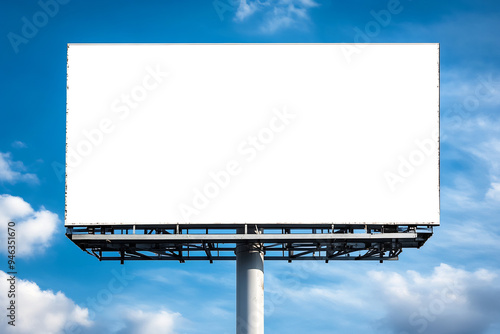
(252, 133)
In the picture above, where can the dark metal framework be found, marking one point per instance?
(183, 242)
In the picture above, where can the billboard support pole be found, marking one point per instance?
(250, 288)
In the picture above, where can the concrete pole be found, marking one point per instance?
(249, 289)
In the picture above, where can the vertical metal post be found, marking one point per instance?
(249, 289)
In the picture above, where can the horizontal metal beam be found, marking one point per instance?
(268, 258)
(239, 225)
(237, 238)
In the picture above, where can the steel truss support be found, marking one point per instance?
(292, 242)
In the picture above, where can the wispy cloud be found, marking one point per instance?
(14, 171)
(35, 229)
(494, 192)
(333, 297)
(275, 15)
(136, 319)
(177, 276)
(158, 321)
(463, 87)
(463, 235)
(489, 151)
(18, 144)
(245, 9)
(477, 143)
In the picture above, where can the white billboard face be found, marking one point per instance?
(252, 133)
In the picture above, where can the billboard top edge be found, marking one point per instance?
(100, 44)
(211, 225)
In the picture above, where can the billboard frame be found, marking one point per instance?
(384, 220)
(250, 244)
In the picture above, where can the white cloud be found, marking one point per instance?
(276, 14)
(245, 9)
(446, 300)
(14, 171)
(49, 312)
(34, 229)
(139, 321)
(136, 319)
(40, 311)
(449, 300)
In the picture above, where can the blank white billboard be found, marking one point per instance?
(252, 133)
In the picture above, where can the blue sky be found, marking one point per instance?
(451, 285)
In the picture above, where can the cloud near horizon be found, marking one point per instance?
(46, 311)
(140, 321)
(448, 300)
(41, 311)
